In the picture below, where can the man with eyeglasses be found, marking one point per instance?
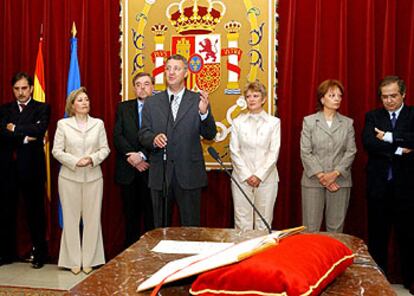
(131, 170)
(172, 124)
(388, 137)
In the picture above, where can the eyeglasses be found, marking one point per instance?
(390, 96)
(173, 69)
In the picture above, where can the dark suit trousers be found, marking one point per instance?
(188, 204)
(137, 207)
(8, 202)
(385, 212)
(32, 191)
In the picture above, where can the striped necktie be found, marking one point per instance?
(175, 104)
(140, 106)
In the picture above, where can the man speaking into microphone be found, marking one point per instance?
(172, 123)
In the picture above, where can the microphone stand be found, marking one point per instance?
(217, 158)
(165, 185)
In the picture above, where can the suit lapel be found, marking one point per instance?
(322, 123)
(402, 117)
(165, 107)
(26, 111)
(72, 123)
(14, 111)
(336, 123)
(185, 104)
(90, 123)
(132, 114)
(385, 120)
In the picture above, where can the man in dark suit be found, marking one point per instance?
(23, 125)
(388, 137)
(173, 121)
(131, 160)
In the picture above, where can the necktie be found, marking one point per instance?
(175, 104)
(140, 105)
(393, 121)
(22, 106)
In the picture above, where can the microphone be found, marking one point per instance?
(165, 185)
(213, 153)
(164, 157)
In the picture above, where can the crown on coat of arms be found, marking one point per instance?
(195, 18)
(159, 29)
(232, 26)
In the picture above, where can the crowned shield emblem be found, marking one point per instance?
(203, 53)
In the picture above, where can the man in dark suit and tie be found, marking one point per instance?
(173, 122)
(131, 160)
(388, 137)
(23, 125)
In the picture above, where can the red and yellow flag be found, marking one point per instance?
(40, 96)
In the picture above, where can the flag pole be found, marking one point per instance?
(74, 32)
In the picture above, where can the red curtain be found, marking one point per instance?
(355, 41)
(97, 23)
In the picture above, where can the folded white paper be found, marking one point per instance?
(185, 267)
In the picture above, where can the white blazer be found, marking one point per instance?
(71, 144)
(254, 146)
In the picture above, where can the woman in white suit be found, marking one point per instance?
(254, 150)
(80, 145)
(327, 149)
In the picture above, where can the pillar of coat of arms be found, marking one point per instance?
(227, 44)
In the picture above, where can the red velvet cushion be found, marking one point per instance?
(302, 264)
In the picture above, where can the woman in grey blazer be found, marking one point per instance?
(327, 149)
(80, 145)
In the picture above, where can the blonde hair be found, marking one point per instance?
(71, 99)
(255, 86)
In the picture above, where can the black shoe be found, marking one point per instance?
(5, 260)
(37, 263)
(39, 256)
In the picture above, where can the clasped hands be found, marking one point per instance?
(84, 162)
(135, 159)
(253, 181)
(380, 136)
(328, 180)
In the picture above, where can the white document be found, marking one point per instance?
(188, 266)
(189, 247)
(185, 267)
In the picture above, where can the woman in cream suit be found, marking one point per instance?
(254, 149)
(80, 145)
(327, 149)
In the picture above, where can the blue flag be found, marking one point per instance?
(73, 83)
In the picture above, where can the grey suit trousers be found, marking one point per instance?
(317, 199)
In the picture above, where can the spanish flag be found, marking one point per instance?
(40, 96)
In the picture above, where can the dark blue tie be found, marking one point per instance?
(393, 121)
